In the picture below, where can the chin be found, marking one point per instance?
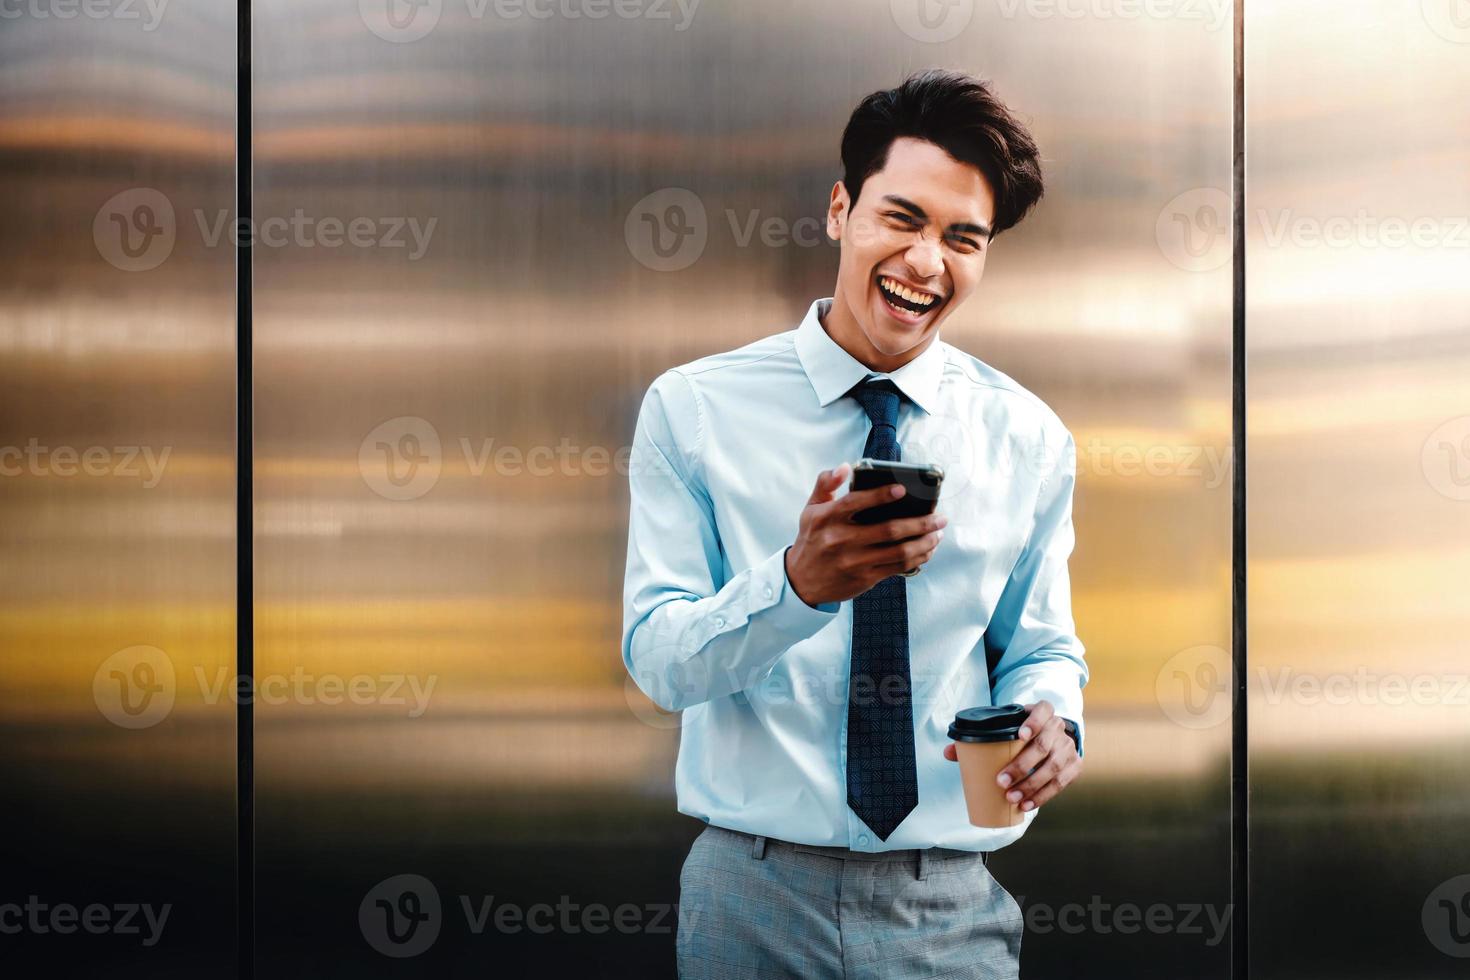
(892, 342)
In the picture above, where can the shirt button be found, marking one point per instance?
(862, 840)
(769, 592)
(720, 622)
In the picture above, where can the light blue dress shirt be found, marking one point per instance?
(725, 454)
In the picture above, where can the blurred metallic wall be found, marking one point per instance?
(457, 309)
(440, 419)
(1359, 467)
(117, 487)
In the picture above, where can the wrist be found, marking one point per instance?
(791, 580)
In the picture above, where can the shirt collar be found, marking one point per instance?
(833, 371)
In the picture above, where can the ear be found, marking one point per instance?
(837, 210)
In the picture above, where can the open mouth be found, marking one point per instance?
(911, 303)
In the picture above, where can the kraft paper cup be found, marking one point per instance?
(986, 740)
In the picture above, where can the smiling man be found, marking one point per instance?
(818, 661)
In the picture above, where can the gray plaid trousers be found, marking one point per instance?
(759, 907)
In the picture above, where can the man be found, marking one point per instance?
(817, 672)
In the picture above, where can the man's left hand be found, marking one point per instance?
(1046, 765)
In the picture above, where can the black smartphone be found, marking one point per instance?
(921, 482)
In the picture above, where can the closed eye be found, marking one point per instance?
(909, 221)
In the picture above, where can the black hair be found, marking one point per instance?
(960, 114)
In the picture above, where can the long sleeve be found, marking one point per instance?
(685, 639)
(1041, 657)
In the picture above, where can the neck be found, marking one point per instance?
(843, 328)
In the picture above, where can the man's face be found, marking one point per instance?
(913, 244)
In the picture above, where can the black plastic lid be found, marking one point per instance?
(988, 724)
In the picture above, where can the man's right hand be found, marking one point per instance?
(835, 559)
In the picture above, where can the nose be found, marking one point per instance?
(924, 257)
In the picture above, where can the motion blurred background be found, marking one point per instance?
(485, 228)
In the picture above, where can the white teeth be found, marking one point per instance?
(899, 289)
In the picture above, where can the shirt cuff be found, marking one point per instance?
(1046, 682)
(1076, 733)
(772, 591)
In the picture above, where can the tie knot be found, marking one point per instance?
(879, 398)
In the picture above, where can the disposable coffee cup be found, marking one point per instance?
(986, 740)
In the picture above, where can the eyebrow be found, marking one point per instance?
(918, 212)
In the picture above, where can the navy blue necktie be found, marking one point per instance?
(882, 783)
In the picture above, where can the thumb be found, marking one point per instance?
(827, 483)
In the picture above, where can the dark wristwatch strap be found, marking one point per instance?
(1070, 727)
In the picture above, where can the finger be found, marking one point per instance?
(1051, 789)
(1026, 760)
(1041, 713)
(898, 529)
(1059, 752)
(827, 483)
(950, 753)
(1049, 769)
(903, 564)
(856, 500)
(899, 567)
(905, 553)
(1040, 796)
